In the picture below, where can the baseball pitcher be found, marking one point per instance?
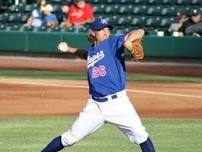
(108, 101)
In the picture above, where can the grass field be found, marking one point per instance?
(22, 134)
(82, 76)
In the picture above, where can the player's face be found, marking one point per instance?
(100, 35)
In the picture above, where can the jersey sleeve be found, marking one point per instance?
(118, 42)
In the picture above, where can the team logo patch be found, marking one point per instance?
(91, 60)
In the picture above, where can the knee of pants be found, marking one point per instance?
(69, 139)
(138, 138)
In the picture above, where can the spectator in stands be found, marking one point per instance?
(79, 14)
(36, 18)
(50, 19)
(177, 24)
(193, 26)
(41, 4)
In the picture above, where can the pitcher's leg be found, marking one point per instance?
(83, 126)
(147, 146)
(54, 146)
(88, 121)
(128, 121)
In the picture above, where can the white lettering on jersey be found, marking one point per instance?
(91, 60)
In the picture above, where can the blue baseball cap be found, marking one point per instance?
(99, 24)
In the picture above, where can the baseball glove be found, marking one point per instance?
(137, 50)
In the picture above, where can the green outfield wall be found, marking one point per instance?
(46, 42)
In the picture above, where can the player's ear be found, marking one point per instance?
(91, 36)
(91, 33)
(106, 31)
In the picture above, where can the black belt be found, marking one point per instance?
(104, 99)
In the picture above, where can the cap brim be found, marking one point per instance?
(100, 28)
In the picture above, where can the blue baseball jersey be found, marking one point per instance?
(106, 67)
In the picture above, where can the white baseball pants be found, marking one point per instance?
(119, 112)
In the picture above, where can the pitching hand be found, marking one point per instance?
(63, 47)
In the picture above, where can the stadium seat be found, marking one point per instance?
(125, 1)
(109, 9)
(13, 8)
(113, 19)
(151, 31)
(2, 26)
(104, 15)
(56, 8)
(169, 11)
(15, 27)
(139, 9)
(24, 18)
(140, 1)
(83, 29)
(16, 8)
(153, 10)
(196, 2)
(94, 1)
(153, 21)
(138, 21)
(183, 2)
(5, 17)
(57, 2)
(153, 2)
(12, 17)
(168, 2)
(109, 1)
(166, 21)
(123, 20)
(27, 28)
(28, 8)
(125, 9)
(99, 8)
(1, 18)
